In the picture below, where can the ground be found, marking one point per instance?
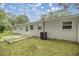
(5, 33)
(37, 47)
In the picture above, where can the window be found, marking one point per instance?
(26, 28)
(67, 25)
(39, 26)
(31, 27)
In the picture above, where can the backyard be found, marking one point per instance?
(18, 17)
(36, 47)
(5, 33)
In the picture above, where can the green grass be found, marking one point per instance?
(37, 47)
(5, 33)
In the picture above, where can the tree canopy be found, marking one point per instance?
(8, 19)
(20, 19)
(62, 12)
(2, 14)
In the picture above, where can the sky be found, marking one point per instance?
(34, 10)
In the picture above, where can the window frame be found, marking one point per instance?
(31, 27)
(67, 25)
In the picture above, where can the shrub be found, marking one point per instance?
(2, 28)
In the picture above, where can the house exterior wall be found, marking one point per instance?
(19, 30)
(35, 31)
(55, 30)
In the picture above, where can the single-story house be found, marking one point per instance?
(63, 27)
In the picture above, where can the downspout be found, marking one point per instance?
(77, 33)
(43, 26)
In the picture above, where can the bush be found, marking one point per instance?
(2, 28)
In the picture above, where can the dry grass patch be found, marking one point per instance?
(37, 47)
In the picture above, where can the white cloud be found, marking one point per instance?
(27, 10)
(48, 10)
(6, 11)
(42, 7)
(37, 5)
(12, 7)
(30, 5)
(50, 4)
(33, 9)
(43, 12)
(21, 10)
(2, 5)
(55, 9)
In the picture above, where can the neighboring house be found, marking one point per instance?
(62, 27)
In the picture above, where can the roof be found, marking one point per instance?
(62, 17)
(52, 19)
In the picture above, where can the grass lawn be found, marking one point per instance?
(37, 47)
(5, 33)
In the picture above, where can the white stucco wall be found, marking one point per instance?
(55, 30)
(35, 31)
(19, 30)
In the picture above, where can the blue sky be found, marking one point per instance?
(34, 10)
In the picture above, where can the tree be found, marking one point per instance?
(7, 24)
(2, 28)
(11, 18)
(43, 16)
(76, 5)
(2, 16)
(65, 5)
(62, 12)
(20, 19)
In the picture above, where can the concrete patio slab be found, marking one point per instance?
(14, 38)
